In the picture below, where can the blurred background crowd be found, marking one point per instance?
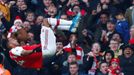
(101, 45)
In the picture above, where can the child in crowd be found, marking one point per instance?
(114, 68)
(122, 26)
(17, 25)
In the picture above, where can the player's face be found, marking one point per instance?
(14, 42)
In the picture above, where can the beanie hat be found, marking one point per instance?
(115, 60)
(17, 19)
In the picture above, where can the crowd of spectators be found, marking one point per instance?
(101, 44)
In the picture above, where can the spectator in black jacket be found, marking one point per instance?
(92, 59)
(127, 60)
(103, 69)
(58, 59)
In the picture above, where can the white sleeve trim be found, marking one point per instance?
(17, 51)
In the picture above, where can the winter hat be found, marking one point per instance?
(115, 60)
(17, 19)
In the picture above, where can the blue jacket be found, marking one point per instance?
(122, 27)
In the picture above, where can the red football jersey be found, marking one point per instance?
(34, 60)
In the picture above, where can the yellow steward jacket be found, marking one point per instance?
(5, 10)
